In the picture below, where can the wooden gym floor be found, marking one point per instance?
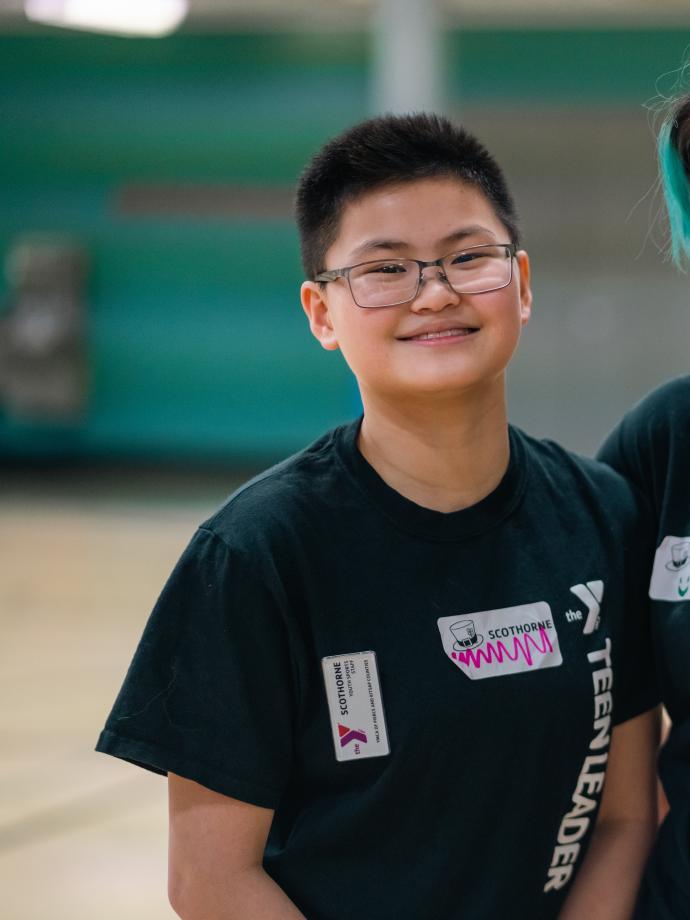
(82, 835)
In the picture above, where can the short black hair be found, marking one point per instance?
(388, 150)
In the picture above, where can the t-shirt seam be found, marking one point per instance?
(269, 791)
(289, 463)
(631, 707)
(511, 508)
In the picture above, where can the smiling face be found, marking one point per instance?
(441, 343)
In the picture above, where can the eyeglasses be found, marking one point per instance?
(388, 282)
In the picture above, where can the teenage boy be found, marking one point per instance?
(388, 678)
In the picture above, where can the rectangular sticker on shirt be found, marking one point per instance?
(355, 706)
(671, 572)
(509, 640)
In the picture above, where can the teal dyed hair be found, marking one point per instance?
(676, 189)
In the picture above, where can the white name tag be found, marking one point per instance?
(355, 706)
(671, 573)
(492, 643)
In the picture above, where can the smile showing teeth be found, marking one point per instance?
(447, 333)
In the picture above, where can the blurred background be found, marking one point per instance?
(153, 353)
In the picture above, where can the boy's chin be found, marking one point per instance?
(438, 390)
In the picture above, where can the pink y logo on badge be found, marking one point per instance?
(351, 734)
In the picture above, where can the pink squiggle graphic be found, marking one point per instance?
(522, 647)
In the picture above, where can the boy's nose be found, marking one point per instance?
(435, 292)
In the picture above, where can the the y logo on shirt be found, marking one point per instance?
(591, 594)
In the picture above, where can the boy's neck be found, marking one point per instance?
(443, 456)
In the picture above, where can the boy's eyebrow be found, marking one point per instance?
(455, 237)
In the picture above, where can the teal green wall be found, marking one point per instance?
(197, 343)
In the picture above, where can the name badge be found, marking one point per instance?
(671, 573)
(511, 640)
(355, 706)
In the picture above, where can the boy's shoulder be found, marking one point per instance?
(278, 498)
(654, 431)
(664, 407)
(574, 475)
(673, 394)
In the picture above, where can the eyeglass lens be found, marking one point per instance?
(387, 282)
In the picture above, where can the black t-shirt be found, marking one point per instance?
(651, 446)
(509, 637)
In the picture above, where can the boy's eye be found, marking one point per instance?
(462, 258)
(475, 256)
(385, 268)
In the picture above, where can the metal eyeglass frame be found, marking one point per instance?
(334, 273)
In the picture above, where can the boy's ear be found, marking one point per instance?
(315, 305)
(525, 288)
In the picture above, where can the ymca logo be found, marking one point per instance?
(591, 595)
(350, 734)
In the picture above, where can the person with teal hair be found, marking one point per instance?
(651, 446)
(673, 147)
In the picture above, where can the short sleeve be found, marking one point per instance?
(211, 693)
